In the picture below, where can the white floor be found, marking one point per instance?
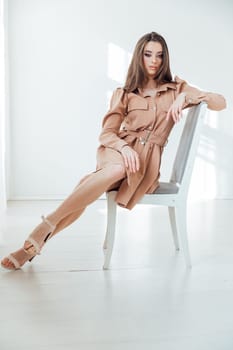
(147, 300)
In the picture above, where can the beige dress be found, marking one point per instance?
(139, 120)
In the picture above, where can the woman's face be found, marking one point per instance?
(152, 58)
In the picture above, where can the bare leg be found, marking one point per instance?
(88, 190)
(68, 220)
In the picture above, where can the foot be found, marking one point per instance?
(16, 260)
(31, 248)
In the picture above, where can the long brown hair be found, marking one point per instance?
(136, 76)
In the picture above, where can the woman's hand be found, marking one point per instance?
(131, 159)
(175, 111)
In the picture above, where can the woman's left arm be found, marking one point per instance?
(188, 96)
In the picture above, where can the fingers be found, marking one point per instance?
(131, 160)
(168, 114)
(175, 113)
(125, 161)
(133, 163)
(137, 162)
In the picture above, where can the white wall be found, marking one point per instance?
(61, 70)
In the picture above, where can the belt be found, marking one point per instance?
(145, 136)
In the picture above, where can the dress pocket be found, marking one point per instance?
(137, 104)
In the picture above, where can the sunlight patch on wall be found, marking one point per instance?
(118, 61)
(208, 155)
(204, 182)
(212, 119)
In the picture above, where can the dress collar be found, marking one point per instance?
(163, 87)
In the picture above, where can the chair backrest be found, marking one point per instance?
(187, 148)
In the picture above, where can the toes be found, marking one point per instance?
(16, 260)
(7, 263)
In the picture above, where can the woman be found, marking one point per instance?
(134, 132)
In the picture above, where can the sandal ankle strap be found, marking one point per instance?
(48, 223)
(35, 245)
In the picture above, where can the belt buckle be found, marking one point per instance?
(142, 140)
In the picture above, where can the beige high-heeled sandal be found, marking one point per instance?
(21, 256)
(16, 259)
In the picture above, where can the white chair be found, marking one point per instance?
(172, 194)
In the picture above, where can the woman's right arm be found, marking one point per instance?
(112, 122)
(110, 129)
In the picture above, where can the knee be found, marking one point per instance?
(117, 171)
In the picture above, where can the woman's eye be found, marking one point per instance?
(160, 56)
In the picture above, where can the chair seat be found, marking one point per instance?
(166, 188)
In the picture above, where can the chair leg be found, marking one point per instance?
(110, 232)
(183, 234)
(172, 216)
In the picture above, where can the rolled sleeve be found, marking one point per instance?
(113, 120)
(194, 96)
